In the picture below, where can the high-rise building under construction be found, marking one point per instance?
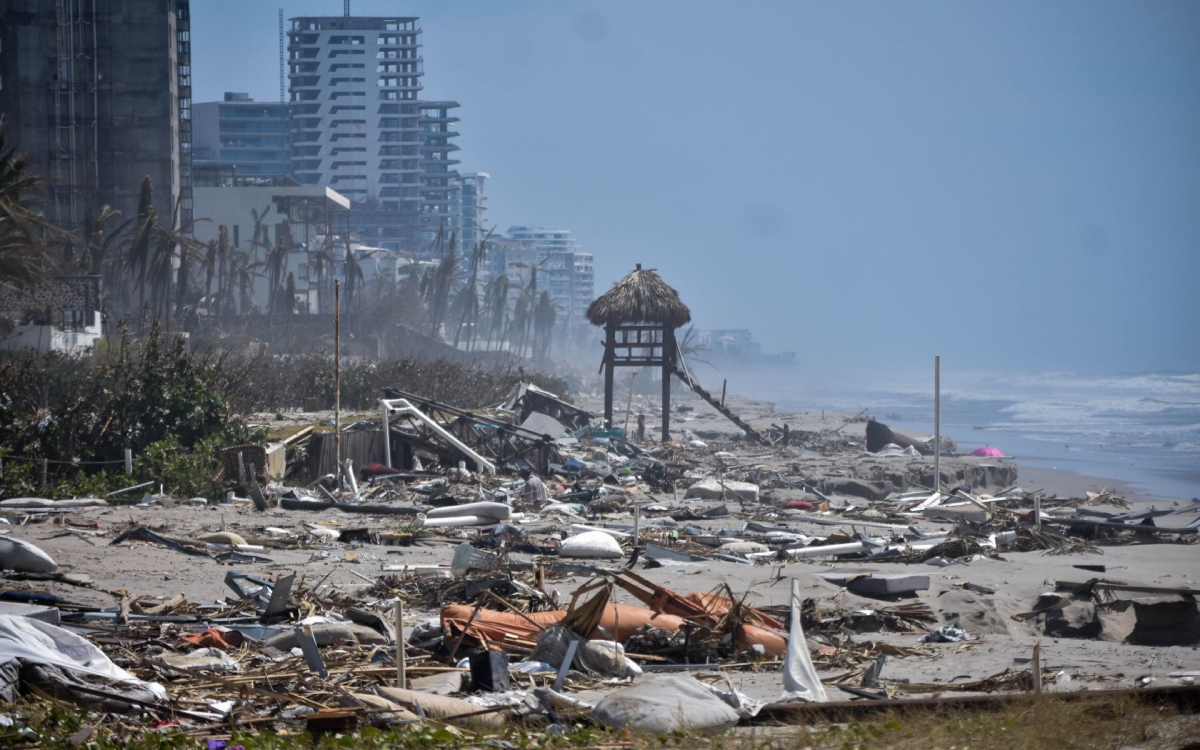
(97, 95)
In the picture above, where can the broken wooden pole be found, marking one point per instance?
(937, 424)
(401, 666)
(1035, 668)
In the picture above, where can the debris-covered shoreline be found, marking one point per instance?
(549, 570)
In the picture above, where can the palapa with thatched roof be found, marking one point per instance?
(639, 315)
(640, 297)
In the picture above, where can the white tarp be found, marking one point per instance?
(663, 704)
(800, 681)
(34, 642)
(19, 555)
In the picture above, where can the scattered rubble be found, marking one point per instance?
(465, 566)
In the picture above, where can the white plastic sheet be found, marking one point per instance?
(800, 679)
(35, 642)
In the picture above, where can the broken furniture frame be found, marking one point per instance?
(501, 441)
(390, 405)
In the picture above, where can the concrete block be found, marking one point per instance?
(710, 489)
(1165, 621)
(489, 671)
(1079, 619)
(892, 584)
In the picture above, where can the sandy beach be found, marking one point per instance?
(1001, 645)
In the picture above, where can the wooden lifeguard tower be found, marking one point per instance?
(639, 316)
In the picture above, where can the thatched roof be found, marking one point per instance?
(640, 297)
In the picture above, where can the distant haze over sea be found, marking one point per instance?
(1139, 428)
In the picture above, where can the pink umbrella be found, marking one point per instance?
(988, 451)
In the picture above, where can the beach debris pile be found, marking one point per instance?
(520, 564)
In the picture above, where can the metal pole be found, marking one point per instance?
(724, 382)
(337, 376)
(629, 402)
(128, 461)
(937, 424)
(387, 438)
(400, 656)
(637, 517)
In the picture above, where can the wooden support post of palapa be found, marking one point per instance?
(1035, 668)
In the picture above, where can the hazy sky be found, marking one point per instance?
(1010, 185)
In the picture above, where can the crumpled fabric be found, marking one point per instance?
(947, 634)
(213, 638)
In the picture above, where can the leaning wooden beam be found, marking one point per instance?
(1184, 697)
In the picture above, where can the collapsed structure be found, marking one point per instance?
(512, 565)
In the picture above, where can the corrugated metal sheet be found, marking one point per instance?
(362, 447)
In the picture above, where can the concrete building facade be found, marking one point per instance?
(359, 127)
(473, 201)
(564, 269)
(248, 139)
(441, 191)
(97, 95)
(304, 213)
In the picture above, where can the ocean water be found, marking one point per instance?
(1138, 428)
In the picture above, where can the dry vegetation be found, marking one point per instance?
(1048, 723)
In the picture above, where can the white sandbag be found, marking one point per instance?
(329, 634)
(32, 503)
(498, 511)
(664, 704)
(741, 549)
(711, 489)
(591, 545)
(223, 537)
(35, 642)
(21, 556)
(443, 707)
(200, 660)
